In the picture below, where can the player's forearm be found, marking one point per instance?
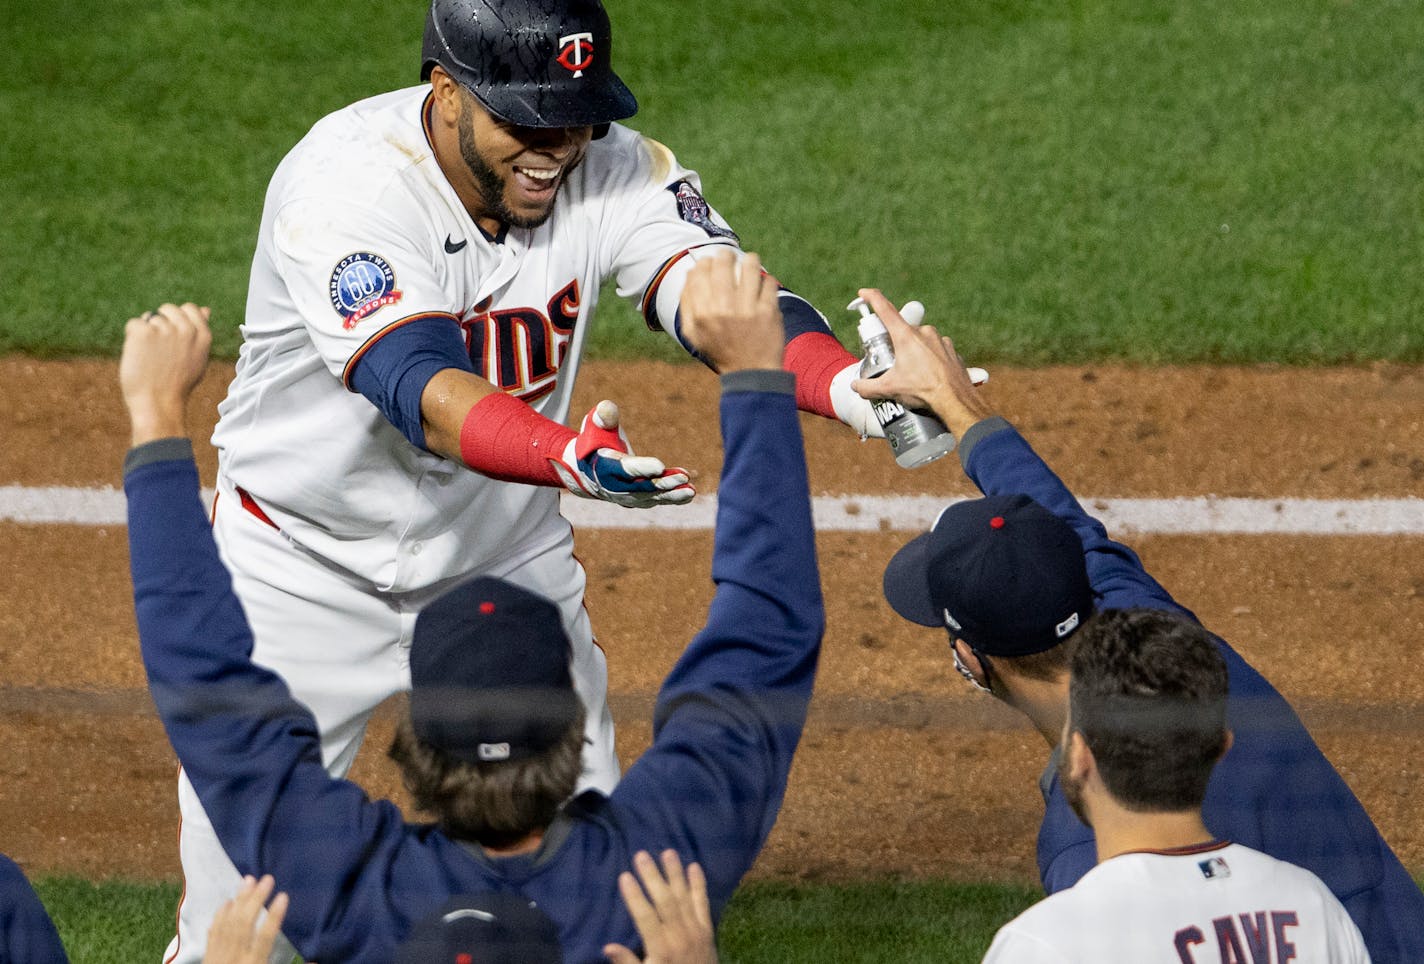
(150, 422)
(812, 352)
(193, 634)
(816, 358)
(470, 421)
(445, 404)
(250, 749)
(960, 411)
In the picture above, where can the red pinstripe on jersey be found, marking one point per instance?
(650, 297)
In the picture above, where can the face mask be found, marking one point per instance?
(964, 671)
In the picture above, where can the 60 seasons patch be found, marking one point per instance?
(360, 284)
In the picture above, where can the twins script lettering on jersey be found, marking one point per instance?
(1258, 938)
(520, 349)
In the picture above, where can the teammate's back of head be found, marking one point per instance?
(493, 741)
(1147, 691)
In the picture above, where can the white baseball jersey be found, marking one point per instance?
(361, 234)
(1218, 904)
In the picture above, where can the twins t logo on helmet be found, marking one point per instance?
(576, 52)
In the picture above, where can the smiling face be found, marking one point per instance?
(516, 171)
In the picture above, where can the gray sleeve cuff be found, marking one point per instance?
(759, 380)
(978, 430)
(159, 450)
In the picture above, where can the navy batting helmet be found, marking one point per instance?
(534, 63)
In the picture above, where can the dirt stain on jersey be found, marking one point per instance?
(414, 154)
(659, 158)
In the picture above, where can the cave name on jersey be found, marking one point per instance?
(1258, 938)
(520, 350)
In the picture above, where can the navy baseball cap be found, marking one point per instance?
(489, 928)
(489, 673)
(1001, 573)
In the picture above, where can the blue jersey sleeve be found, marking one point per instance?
(393, 371)
(730, 714)
(798, 316)
(252, 751)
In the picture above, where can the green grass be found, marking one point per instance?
(114, 922)
(119, 923)
(1130, 179)
(878, 923)
(871, 923)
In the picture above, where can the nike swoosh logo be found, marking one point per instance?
(451, 247)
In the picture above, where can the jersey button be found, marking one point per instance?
(415, 549)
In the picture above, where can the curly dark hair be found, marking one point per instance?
(1148, 692)
(493, 804)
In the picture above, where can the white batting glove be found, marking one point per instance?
(599, 463)
(850, 407)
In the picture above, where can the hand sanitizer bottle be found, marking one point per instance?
(916, 438)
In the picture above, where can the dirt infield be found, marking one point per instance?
(903, 772)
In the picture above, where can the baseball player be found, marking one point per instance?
(1011, 578)
(1146, 724)
(725, 726)
(427, 265)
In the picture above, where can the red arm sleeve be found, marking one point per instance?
(815, 357)
(505, 439)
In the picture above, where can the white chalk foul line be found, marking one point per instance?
(868, 513)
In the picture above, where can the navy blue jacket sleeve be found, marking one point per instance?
(1274, 791)
(730, 714)
(252, 751)
(27, 935)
